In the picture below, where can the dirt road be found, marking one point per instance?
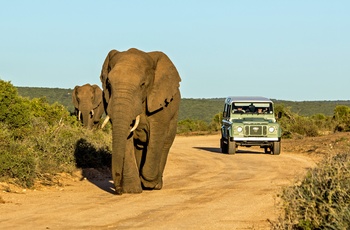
(203, 189)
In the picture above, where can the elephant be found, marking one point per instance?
(142, 97)
(87, 100)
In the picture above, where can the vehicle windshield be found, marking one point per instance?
(252, 107)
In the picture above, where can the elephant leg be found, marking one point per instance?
(150, 165)
(138, 155)
(171, 113)
(166, 148)
(131, 180)
(162, 133)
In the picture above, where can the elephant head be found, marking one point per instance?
(141, 88)
(87, 100)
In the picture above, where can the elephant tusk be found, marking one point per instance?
(79, 115)
(105, 122)
(92, 112)
(136, 123)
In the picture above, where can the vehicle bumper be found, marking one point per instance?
(255, 139)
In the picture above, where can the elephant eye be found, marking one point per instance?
(142, 84)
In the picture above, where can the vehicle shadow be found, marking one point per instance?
(239, 151)
(95, 165)
(209, 149)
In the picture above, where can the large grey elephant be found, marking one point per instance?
(87, 100)
(142, 97)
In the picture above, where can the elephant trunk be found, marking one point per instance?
(122, 123)
(87, 119)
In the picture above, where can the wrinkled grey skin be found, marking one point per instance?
(146, 84)
(88, 100)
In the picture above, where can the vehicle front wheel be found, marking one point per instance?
(232, 147)
(224, 145)
(276, 148)
(267, 150)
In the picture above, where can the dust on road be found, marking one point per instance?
(203, 189)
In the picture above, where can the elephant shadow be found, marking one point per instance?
(95, 164)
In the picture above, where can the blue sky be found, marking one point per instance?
(290, 50)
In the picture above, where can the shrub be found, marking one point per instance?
(292, 123)
(324, 123)
(216, 123)
(321, 199)
(304, 126)
(342, 118)
(16, 160)
(39, 140)
(14, 110)
(188, 126)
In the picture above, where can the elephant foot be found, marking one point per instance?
(157, 185)
(118, 190)
(132, 189)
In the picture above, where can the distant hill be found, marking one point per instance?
(196, 109)
(62, 96)
(308, 108)
(205, 109)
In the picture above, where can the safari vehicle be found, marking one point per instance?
(250, 121)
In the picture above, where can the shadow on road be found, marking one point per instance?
(239, 151)
(101, 178)
(209, 149)
(95, 164)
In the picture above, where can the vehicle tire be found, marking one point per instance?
(267, 150)
(276, 148)
(223, 145)
(231, 147)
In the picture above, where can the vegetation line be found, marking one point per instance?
(40, 139)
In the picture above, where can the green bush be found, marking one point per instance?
(293, 124)
(216, 123)
(342, 118)
(14, 110)
(304, 126)
(324, 123)
(321, 199)
(16, 160)
(189, 126)
(39, 140)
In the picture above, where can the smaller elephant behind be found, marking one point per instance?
(87, 100)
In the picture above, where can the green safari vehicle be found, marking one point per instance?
(250, 121)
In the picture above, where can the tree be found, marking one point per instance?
(14, 110)
(342, 118)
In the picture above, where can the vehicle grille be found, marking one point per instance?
(255, 130)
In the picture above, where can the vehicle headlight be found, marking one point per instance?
(239, 129)
(271, 129)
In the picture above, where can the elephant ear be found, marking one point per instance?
(166, 82)
(97, 97)
(106, 68)
(74, 97)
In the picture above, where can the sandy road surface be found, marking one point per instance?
(203, 189)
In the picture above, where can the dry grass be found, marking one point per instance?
(321, 200)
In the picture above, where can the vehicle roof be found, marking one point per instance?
(247, 99)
